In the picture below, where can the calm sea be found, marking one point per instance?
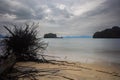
(85, 50)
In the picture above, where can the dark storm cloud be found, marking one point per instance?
(33, 9)
(103, 16)
(75, 16)
(12, 7)
(109, 6)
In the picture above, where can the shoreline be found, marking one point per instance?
(63, 70)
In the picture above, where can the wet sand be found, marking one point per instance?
(62, 70)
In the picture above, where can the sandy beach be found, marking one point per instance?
(62, 70)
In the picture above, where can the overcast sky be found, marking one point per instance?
(64, 17)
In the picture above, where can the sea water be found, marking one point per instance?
(84, 50)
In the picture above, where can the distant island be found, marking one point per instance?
(2, 36)
(113, 32)
(51, 35)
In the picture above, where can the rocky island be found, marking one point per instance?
(51, 35)
(114, 32)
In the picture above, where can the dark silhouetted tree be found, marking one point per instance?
(23, 42)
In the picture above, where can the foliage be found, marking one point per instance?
(23, 42)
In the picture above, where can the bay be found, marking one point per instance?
(85, 50)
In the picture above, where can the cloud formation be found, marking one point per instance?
(64, 17)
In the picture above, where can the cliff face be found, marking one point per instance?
(114, 32)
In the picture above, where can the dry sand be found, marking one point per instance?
(72, 71)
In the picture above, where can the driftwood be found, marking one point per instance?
(7, 64)
(31, 73)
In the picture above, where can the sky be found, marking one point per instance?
(63, 17)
